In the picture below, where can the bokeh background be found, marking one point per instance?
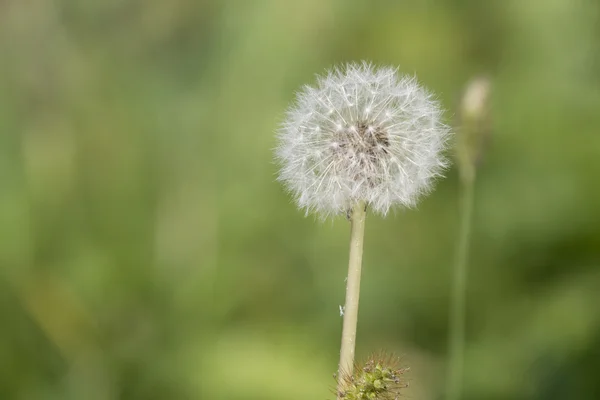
(146, 251)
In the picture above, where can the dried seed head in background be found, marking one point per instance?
(474, 126)
(362, 134)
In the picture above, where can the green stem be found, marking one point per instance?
(459, 291)
(352, 294)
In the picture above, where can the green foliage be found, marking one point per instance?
(146, 251)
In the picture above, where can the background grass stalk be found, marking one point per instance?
(456, 337)
(347, 350)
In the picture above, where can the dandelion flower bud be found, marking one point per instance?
(362, 134)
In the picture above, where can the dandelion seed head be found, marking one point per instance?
(362, 134)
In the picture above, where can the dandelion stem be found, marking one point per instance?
(359, 213)
(456, 342)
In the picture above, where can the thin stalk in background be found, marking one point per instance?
(458, 303)
(472, 135)
(348, 346)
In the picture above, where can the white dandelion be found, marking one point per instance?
(362, 134)
(363, 137)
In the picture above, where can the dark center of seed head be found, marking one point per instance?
(372, 139)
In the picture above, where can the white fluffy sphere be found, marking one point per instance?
(362, 134)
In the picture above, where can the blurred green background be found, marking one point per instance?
(146, 251)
